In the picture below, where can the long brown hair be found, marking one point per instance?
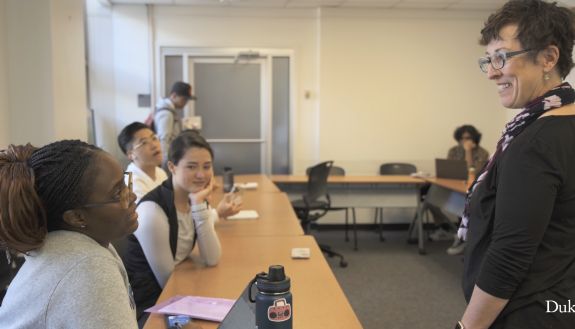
(37, 185)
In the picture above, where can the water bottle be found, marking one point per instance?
(228, 179)
(274, 309)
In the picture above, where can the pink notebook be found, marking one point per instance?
(205, 308)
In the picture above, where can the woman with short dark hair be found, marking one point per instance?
(467, 148)
(61, 205)
(519, 221)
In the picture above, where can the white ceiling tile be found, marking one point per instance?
(198, 2)
(401, 4)
(256, 3)
(423, 4)
(139, 2)
(426, 2)
(313, 3)
(369, 3)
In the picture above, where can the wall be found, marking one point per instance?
(69, 106)
(394, 85)
(29, 57)
(286, 29)
(100, 47)
(384, 85)
(4, 115)
(46, 93)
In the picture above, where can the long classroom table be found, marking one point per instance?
(276, 217)
(249, 247)
(378, 191)
(318, 301)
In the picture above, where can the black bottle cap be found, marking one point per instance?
(275, 281)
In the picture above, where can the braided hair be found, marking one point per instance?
(37, 185)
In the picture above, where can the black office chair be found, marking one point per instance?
(316, 203)
(393, 168)
(339, 171)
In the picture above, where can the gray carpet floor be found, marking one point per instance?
(390, 286)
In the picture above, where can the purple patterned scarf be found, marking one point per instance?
(554, 98)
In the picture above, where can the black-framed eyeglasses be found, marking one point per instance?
(498, 59)
(123, 199)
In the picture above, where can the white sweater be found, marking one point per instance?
(70, 282)
(143, 183)
(153, 233)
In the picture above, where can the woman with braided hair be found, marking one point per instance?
(61, 205)
(519, 219)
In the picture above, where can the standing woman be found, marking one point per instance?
(61, 205)
(519, 221)
(173, 218)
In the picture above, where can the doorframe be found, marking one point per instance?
(266, 88)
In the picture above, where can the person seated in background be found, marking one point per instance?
(141, 145)
(468, 149)
(173, 218)
(62, 205)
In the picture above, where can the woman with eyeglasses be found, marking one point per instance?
(175, 217)
(61, 205)
(519, 220)
(141, 145)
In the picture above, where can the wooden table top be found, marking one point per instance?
(276, 217)
(318, 299)
(376, 179)
(452, 184)
(264, 183)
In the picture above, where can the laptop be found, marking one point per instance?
(451, 169)
(243, 313)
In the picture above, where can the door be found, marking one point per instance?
(243, 104)
(233, 114)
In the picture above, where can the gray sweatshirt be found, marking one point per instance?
(168, 124)
(70, 282)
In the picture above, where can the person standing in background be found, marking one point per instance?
(168, 115)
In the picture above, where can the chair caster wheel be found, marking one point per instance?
(343, 263)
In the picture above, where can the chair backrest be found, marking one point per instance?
(334, 171)
(397, 168)
(317, 180)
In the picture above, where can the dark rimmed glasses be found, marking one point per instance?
(123, 199)
(498, 59)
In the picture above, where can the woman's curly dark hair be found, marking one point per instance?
(472, 131)
(539, 25)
